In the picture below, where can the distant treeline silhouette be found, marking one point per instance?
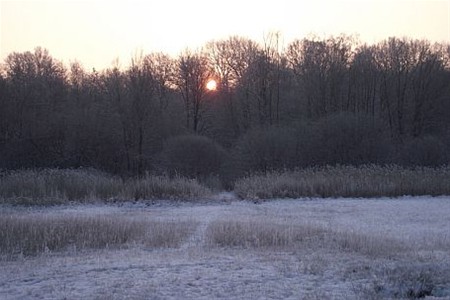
(316, 102)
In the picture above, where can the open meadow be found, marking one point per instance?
(307, 248)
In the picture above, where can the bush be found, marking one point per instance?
(426, 151)
(263, 150)
(192, 156)
(348, 138)
(343, 138)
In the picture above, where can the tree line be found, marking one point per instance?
(316, 101)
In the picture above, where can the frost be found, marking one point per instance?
(317, 269)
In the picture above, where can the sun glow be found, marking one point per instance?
(211, 85)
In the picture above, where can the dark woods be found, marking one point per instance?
(317, 102)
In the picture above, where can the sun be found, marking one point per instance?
(211, 85)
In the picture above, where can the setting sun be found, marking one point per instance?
(211, 85)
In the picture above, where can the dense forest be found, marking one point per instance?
(317, 101)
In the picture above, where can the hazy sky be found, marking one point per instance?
(96, 32)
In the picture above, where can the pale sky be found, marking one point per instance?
(98, 31)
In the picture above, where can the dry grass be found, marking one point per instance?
(158, 187)
(390, 269)
(55, 186)
(168, 234)
(318, 260)
(263, 234)
(411, 280)
(31, 234)
(259, 234)
(369, 245)
(346, 181)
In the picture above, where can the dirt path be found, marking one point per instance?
(205, 215)
(208, 214)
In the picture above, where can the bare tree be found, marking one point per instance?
(231, 59)
(322, 100)
(192, 74)
(321, 68)
(413, 79)
(429, 84)
(37, 95)
(364, 83)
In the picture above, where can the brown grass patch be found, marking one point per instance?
(31, 234)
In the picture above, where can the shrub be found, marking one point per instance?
(343, 138)
(425, 151)
(347, 138)
(262, 150)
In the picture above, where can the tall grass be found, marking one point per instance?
(32, 234)
(372, 246)
(263, 234)
(55, 186)
(158, 187)
(346, 181)
(259, 234)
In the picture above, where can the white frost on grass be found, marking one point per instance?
(196, 271)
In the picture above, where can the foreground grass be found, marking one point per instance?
(56, 186)
(390, 264)
(263, 235)
(301, 250)
(346, 181)
(32, 234)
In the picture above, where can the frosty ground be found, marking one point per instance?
(341, 266)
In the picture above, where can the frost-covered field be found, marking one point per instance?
(294, 249)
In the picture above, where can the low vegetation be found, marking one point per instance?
(259, 234)
(280, 242)
(57, 186)
(388, 267)
(346, 181)
(413, 280)
(159, 187)
(32, 234)
(263, 234)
